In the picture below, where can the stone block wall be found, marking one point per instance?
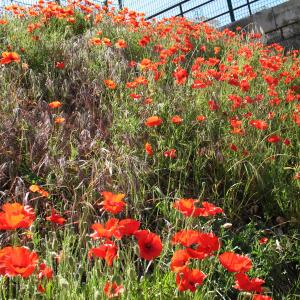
(279, 24)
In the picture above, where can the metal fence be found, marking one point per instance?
(217, 12)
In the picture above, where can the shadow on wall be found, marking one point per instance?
(279, 24)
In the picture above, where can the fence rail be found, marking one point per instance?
(220, 12)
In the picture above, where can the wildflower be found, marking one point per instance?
(233, 147)
(263, 240)
(59, 120)
(110, 84)
(55, 104)
(17, 261)
(235, 263)
(112, 289)
(107, 251)
(149, 243)
(176, 119)
(153, 121)
(60, 65)
(45, 272)
(179, 261)
(213, 105)
(120, 44)
(8, 57)
(200, 118)
(204, 246)
(148, 149)
(274, 138)
(170, 153)
(56, 218)
(37, 189)
(189, 280)
(259, 124)
(261, 297)
(95, 41)
(180, 76)
(244, 283)
(15, 215)
(113, 203)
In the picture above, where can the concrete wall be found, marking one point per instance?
(280, 24)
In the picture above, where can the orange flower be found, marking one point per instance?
(113, 203)
(149, 243)
(112, 290)
(148, 149)
(153, 121)
(56, 218)
(235, 262)
(37, 189)
(59, 120)
(106, 42)
(179, 261)
(200, 118)
(259, 124)
(17, 261)
(110, 84)
(55, 104)
(107, 251)
(95, 41)
(8, 57)
(121, 44)
(176, 119)
(15, 215)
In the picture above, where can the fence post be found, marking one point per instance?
(181, 10)
(249, 7)
(120, 4)
(231, 12)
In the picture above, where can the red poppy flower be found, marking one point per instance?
(274, 138)
(153, 121)
(113, 203)
(180, 76)
(112, 289)
(60, 65)
(200, 118)
(8, 57)
(149, 243)
(148, 149)
(107, 251)
(45, 272)
(55, 104)
(170, 153)
(189, 280)
(17, 261)
(233, 147)
(56, 218)
(206, 244)
(176, 119)
(15, 215)
(235, 262)
(179, 261)
(261, 297)
(107, 231)
(186, 237)
(59, 120)
(121, 44)
(263, 240)
(259, 124)
(244, 283)
(110, 84)
(128, 227)
(213, 105)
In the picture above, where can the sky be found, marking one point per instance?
(210, 10)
